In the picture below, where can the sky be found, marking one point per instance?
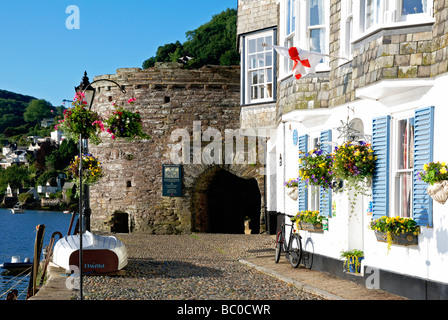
(46, 45)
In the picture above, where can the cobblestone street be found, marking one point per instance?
(192, 267)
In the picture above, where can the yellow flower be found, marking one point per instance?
(425, 167)
(443, 170)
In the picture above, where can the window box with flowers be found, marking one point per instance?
(293, 186)
(309, 220)
(396, 230)
(436, 175)
(354, 163)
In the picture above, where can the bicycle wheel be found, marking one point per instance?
(278, 246)
(295, 251)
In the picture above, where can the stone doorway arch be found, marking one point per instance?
(223, 196)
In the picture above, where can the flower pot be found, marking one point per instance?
(293, 193)
(439, 191)
(404, 239)
(310, 226)
(353, 264)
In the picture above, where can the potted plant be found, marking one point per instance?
(79, 120)
(396, 230)
(126, 124)
(309, 220)
(354, 163)
(436, 175)
(91, 173)
(353, 260)
(316, 168)
(293, 185)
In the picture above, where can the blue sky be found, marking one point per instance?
(41, 57)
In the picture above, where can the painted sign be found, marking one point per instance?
(172, 180)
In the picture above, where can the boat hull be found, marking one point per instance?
(101, 254)
(95, 261)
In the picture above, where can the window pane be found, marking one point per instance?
(260, 42)
(260, 58)
(268, 40)
(252, 46)
(405, 146)
(317, 40)
(254, 77)
(317, 12)
(404, 204)
(252, 61)
(414, 6)
(269, 59)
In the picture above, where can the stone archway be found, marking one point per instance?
(221, 198)
(230, 200)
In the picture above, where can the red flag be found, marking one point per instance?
(305, 61)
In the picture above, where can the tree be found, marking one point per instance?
(212, 43)
(170, 52)
(37, 110)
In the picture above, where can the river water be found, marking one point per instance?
(17, 237)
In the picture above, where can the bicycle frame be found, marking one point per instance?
(292, 248)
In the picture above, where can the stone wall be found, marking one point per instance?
(255, 15)
(169, 98)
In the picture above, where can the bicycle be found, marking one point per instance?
(293, 248)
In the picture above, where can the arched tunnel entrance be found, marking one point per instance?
(231, 199)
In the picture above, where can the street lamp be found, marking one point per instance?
(84, 202)
(87, 89)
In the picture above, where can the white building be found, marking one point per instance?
(391, 86)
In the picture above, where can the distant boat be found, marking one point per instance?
(101, 254)
(16, 264)
(17, 209)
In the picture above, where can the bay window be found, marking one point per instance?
(371, 15)
(305, 25)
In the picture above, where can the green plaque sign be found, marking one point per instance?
(172, 180)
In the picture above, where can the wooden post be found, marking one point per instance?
(36, 260)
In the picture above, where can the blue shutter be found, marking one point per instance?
(380, 179)
(325, 195)
(423, 153)
(303, 190)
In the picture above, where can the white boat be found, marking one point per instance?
(17, 209)
(101, 254)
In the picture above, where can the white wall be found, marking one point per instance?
(430, 257)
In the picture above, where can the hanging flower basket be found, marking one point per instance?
(293, 186)
(91, 170)
(439, 191)
(354, 163)
(316, 168)
(126, 124)
(293, 193)
(309, 220)
(396, 230)
(436, 175)
(79, 120)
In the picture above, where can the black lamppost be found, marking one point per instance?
(84, 199)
